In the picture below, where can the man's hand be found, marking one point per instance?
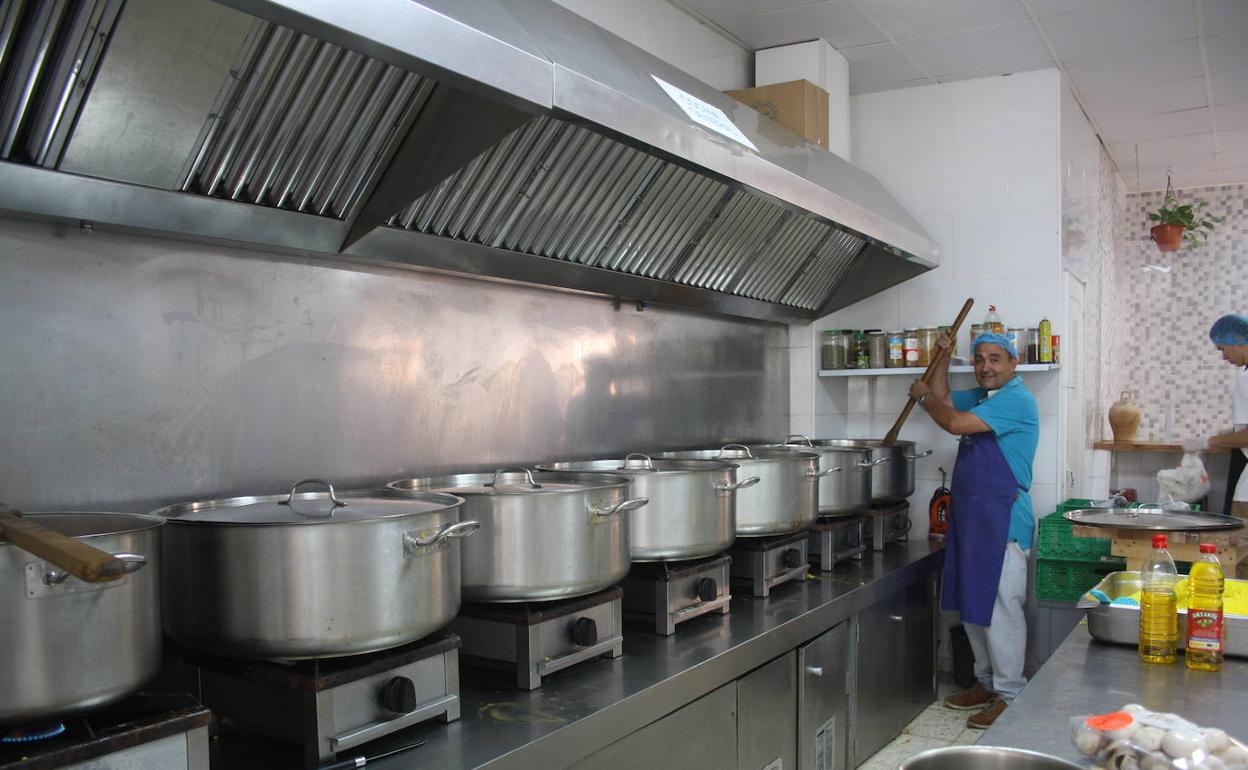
(944, 343)
(918, 389)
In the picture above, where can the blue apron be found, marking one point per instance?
(983, 492)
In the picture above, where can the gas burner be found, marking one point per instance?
(762, 563)
(330, 705)
(144, 730)
(887, 524)
(536, 639)
(668, 593)
(835, 539)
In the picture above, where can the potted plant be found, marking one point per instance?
(1178, 223)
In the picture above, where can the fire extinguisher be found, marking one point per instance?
(938, 510)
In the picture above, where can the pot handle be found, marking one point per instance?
(73, 556)
(742, 484)
(828, 472)
(332, 496)
(131, 562)
(413, 543)
(596, 513)
(801, 439)
(646, 462)
(742, 447)
(920, 455)
(528, 477)
(873, 463)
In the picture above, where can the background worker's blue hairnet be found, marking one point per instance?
(1230, 329)
(993, 338)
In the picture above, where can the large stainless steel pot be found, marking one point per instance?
(847, 471)
(892, 481)
(783, 501)
(311, 574)
(70, 646)
(985, 758)
(543, 535)
(693, 504)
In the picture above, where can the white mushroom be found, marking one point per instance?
(1088, 741)
(1149, 738)
(1181, 743)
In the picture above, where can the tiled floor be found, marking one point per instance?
(937, 726)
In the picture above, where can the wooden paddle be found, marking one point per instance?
(74, 556)
(891, 438)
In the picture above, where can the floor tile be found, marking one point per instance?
(938, 722)
(904, 747)
(968, 737)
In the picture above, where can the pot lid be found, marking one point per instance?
(296, 507)
(1152, 518)
(508, 481)
(81, 525)
(739, 452)
(804, 444)
(638, 463)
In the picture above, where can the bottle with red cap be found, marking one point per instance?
(1159, 618)
(1204, 612)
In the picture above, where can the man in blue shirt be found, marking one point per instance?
(991, 521)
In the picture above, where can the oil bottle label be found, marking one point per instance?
(1204, 630)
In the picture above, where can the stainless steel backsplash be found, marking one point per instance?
(136, 371)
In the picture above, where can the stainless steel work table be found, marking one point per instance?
(1085, 676)
(595, 704)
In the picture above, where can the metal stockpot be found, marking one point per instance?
(543, 536)
(69, 645)
(892, 481)
(784, 499)
(847, 471)
(985, 758)
(311, 574)
(693, 504)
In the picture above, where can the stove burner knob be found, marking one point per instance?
(708, 590)
(793, 558)
(398, 695)
(584, 632)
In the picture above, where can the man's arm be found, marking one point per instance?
(1235, 440)
(939, 383)
(957, 423)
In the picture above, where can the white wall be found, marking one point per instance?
(674, 36)
(976, 163)
(818, 62)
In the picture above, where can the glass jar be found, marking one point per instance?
(896, 349)
(927, 345)
(860, 354)
(832, 350)
(1033, 347)
(877, 349)
(976, 330)
(1018, 338)
(911, 347)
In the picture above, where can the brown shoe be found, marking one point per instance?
(971, 700)
(984, 719)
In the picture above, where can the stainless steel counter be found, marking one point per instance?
(595, 704)
(1085, 676)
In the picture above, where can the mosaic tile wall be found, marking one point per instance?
(1162, 352)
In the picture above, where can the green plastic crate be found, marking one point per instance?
(1064, 580)
(1057, 542)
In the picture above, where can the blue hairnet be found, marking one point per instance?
(992, 338)
(1230, 330)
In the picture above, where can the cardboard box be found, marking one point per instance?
(798, 104)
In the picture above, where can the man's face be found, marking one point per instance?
(993, 366)
(1234, 354)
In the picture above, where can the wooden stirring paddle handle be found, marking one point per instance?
(74, 556)
(891, 438)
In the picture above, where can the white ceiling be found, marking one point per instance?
(1166, 78)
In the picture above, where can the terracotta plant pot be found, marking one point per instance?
(1124, 418)
(1167, 237)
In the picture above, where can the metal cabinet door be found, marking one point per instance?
(823, 701)
(879, 707)
(767, 716)
(919, 655)
(701, 734)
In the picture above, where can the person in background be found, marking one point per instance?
(1230, 334)
(991, 519)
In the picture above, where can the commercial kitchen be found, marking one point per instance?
(535, 383)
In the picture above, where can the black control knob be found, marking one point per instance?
(398, 695)
(793, 558)
(708, 589)
(584, 632)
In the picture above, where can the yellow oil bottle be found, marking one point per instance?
(1159, 618)
(1204, 612)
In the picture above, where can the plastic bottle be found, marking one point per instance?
(1159, 618)
(1204, 612)
(993, 322)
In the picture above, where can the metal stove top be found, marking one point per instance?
(762, 563)
(669, 593)
(835, 539)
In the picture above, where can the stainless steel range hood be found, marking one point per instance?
(506, 138)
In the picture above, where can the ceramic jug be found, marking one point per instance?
(1124, 417)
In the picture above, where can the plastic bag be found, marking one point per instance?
(1185, 484)
(1138, 739)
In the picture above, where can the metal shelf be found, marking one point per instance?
(915, 371)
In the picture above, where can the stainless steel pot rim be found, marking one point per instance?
(762, 453)
(657, 465)
(510, 482)
(139, 522)
(361, 506)
(993, 752)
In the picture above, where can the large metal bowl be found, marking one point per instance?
(985, 758)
